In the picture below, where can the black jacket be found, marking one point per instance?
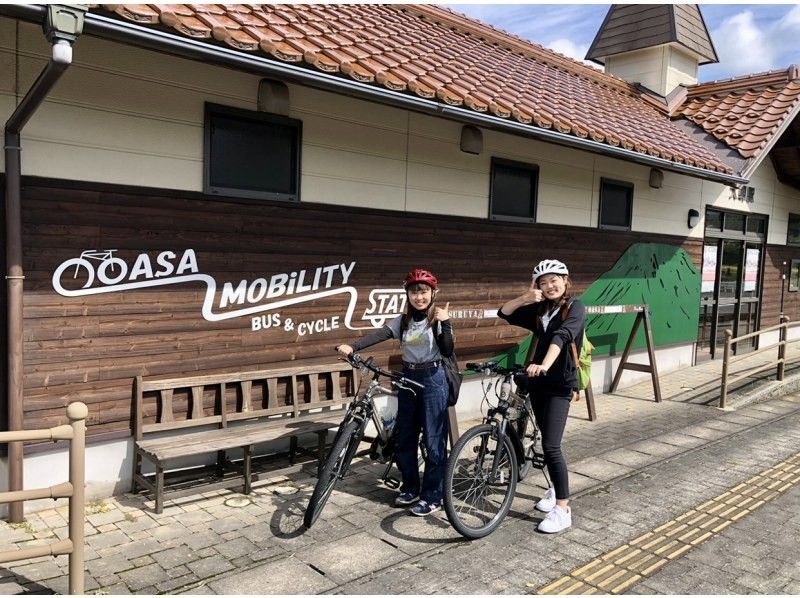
(561, 379)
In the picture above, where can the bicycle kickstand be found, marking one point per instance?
(390, 481)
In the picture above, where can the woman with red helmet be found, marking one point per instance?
(557, 320)
(425, 336)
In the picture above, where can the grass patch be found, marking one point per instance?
(25, 526)
(97, 506)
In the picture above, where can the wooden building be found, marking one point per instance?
(217, 187)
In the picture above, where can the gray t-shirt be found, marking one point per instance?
(418, 342)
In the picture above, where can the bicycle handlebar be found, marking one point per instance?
(398, 380)
(492, 367)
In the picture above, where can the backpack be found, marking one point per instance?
(454, 378)
(583, 362)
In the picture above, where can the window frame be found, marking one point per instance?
(629, 217)
(211, 109)
(532, 168)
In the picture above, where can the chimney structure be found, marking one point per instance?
(659, 46)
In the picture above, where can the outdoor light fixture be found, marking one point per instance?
(471, 140)
(273, 97)
(693, 219)
(656, 178)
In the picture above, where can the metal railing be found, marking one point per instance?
(75, 433)
(779, 364)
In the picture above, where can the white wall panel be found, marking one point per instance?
(348, 192)
(441, 202)
(129, 116)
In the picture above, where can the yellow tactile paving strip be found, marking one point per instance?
(621, 568)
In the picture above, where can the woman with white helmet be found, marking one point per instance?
(557, 320)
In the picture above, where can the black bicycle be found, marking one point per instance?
(489, 459)
(351, 431)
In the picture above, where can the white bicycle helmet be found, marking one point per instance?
(549, 267)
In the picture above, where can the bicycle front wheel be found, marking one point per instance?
(339, 457)
(475, 501)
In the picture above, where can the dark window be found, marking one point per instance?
(616, 204)
(513, 191)
(251, 154)
(713, 220)
(756, 224)
(793, 236)
(794, 275)
(734, 222)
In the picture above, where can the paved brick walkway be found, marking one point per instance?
(631, 469)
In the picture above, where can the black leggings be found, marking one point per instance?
(551, 417)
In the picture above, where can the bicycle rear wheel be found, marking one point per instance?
(474, 504)
(336, 464)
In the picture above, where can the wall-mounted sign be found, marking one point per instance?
(95, 272)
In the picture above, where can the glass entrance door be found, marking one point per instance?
(731, 281)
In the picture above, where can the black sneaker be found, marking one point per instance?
(405, 499)
(423, 508)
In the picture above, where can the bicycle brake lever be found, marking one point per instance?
(399, 385)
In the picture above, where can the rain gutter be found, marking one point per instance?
(153, 39)
(59, 19)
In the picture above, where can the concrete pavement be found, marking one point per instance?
(641, 465)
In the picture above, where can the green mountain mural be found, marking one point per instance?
(663, 277)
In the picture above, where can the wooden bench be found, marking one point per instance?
(221, 412)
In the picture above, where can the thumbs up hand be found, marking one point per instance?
(442, 313)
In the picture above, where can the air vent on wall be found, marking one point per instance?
(746, 193)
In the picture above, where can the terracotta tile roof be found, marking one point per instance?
(436, 53)
(744, 112)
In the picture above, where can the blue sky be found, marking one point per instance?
(749, 38)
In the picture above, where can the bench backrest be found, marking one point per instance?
(175, 403)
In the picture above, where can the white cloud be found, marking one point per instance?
(569, 48)
(739, 41)
(791, 20)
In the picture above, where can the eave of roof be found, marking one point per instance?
(552, 129)
(747, 113)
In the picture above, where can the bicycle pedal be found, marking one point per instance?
(392, 482)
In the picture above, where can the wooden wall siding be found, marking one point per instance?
(90, 348)
(771, 296)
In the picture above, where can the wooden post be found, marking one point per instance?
(651, 351)
(77, 412)
(590, 403)
(782, 335)
(723, 389)
(642, 315)
(453, 427)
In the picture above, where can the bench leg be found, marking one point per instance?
(247, 465)
(292, 448)
(221, 463)
(137, 464)
(159, 488)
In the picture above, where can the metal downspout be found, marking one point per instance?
(60, 59)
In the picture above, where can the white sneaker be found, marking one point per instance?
(547, 502)
(557, 520)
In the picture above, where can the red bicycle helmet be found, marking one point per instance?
(420, 275)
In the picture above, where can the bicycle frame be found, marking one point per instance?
(509, 400)
(363, 409)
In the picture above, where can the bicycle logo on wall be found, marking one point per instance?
(101, 271)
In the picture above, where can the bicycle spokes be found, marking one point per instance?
(480, 480)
